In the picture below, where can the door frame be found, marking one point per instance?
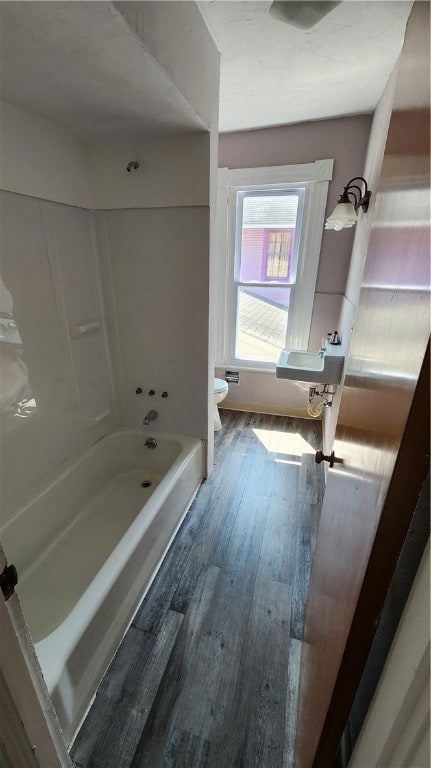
(32, 732)
(410, 470)
(402, 695)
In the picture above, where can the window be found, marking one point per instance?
(273, 221)
(266, 257)
(277, 249)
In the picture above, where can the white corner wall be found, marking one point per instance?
(155, 263)
(154, 235)
(41, 160)
(173, 171)
(56, 392)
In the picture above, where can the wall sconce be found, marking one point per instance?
(344, 214)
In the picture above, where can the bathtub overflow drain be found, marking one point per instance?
(146, 483)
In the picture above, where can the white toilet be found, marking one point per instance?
(220, 392)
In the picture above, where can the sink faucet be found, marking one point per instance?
(323, 347)
(151, 415)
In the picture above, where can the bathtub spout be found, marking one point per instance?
(151, 415)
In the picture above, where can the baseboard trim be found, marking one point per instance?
(271, 410)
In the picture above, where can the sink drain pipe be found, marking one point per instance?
(315, 409)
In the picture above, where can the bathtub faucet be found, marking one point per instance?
(151, 415)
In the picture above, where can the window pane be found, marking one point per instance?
(267, 236)
(278, 254)
(261, 323)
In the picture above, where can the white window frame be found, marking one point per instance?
(314, 178)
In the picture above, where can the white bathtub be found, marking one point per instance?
(87, 549)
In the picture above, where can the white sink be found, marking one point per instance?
(313, 367)
(308, 360)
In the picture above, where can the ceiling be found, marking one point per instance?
(78, 64)
(274, 73)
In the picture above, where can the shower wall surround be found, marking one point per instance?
(75, 375)
(69, 377)
(56, 385)
(156, 278)
(103, 301)
(153, 239)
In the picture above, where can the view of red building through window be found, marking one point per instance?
(266, 268)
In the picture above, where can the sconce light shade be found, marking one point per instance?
(344, 214)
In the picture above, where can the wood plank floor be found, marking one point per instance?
(207, 675)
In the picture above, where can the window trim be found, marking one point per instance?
(314, 177)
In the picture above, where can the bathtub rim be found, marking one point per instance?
(183, 440)
(187, 446)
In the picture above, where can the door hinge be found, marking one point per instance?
(8, 580)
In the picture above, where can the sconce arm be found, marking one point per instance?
(362, 200)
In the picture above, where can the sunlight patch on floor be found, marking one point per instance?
(290, 443)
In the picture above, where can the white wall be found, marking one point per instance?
(48, 269)
(154, 245)
(173, 171)
(157, 305)
(261, 391)
(155, 252)
(349, 301)
(214, 308)
(155, 265)
(41, 160)
(154, 238)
